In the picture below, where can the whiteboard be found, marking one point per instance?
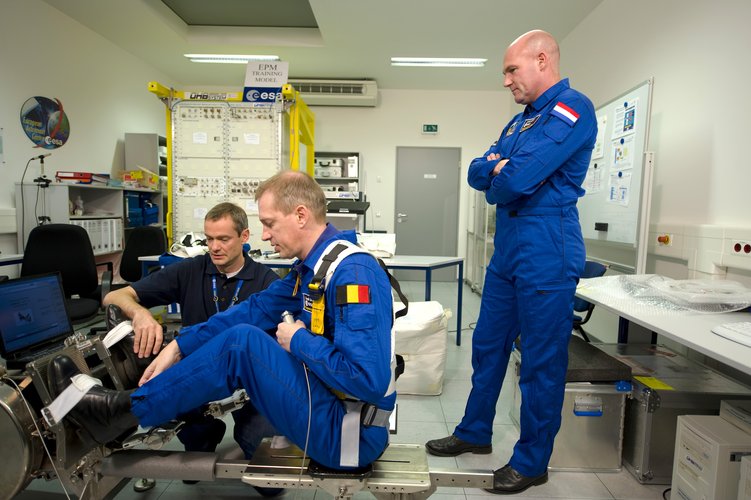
(614, 212)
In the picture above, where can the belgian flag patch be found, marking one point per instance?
(352, 294)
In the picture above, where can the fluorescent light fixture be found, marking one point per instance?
(447, 62)
(228, 58)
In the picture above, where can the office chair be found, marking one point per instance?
(591, 270)
(142, 240)
(66, 248)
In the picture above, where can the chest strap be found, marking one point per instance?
(334, 254)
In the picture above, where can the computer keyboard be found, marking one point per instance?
(738, 332)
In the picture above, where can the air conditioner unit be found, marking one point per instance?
(317, 92)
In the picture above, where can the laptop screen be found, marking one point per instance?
(32, 312)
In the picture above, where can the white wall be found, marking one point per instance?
(103, 90)
(695, 50)
(470, 121)
(698, 54)
(467, 120)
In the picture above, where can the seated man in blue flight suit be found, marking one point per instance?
(203, 286)
(340, 344)
(533, 174)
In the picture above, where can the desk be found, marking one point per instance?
(691, 329)
(413, 262)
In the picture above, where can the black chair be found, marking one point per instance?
(66, 248)
(592, 269)
(141, 241)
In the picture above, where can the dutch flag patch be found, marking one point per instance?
(565, 113)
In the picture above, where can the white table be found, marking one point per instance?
(425, 263)
(691, 329)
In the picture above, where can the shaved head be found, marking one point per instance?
(537, 41)
(530, 65)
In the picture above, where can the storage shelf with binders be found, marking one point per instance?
(480, 234)
(99, 209)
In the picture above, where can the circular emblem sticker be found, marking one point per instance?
(44, 122)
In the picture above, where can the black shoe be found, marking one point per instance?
(506, 480)
(191, 481)
(452, 446)
(144, 484)
(103, 414)
(269, 492)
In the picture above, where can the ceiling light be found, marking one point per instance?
(228, 58)
(454, 62)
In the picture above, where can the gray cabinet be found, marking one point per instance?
(338, 174)
(150, 152)
(146, 150)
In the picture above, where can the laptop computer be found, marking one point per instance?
(34, 318)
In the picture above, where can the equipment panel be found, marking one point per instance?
(222, 151)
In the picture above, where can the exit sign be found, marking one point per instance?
(429, 128)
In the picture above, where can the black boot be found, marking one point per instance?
(103, 414)
(128, 366)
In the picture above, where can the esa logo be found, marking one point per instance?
(254, 95)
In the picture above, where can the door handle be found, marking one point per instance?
(400, 217)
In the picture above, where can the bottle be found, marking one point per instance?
(78, 206)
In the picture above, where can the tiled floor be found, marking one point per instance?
(420, 418)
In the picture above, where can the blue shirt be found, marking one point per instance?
(189, 283)
(354, 353)
(548, 146)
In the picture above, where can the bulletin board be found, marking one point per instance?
(614, 212)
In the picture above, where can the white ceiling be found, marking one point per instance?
(354, 38)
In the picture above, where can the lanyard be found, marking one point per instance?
(235, 297)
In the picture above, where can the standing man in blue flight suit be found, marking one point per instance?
(533, 174)
(352, 355)
(203, 286)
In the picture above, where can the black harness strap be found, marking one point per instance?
(333, 255)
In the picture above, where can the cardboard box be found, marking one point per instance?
(141, 178)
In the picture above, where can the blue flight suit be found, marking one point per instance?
(232, 350)
(532, 276)
(189, 282)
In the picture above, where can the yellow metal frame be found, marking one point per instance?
(301, 127)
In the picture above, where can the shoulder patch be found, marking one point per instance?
(565, 113)
(352, 294)
(528, 123)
